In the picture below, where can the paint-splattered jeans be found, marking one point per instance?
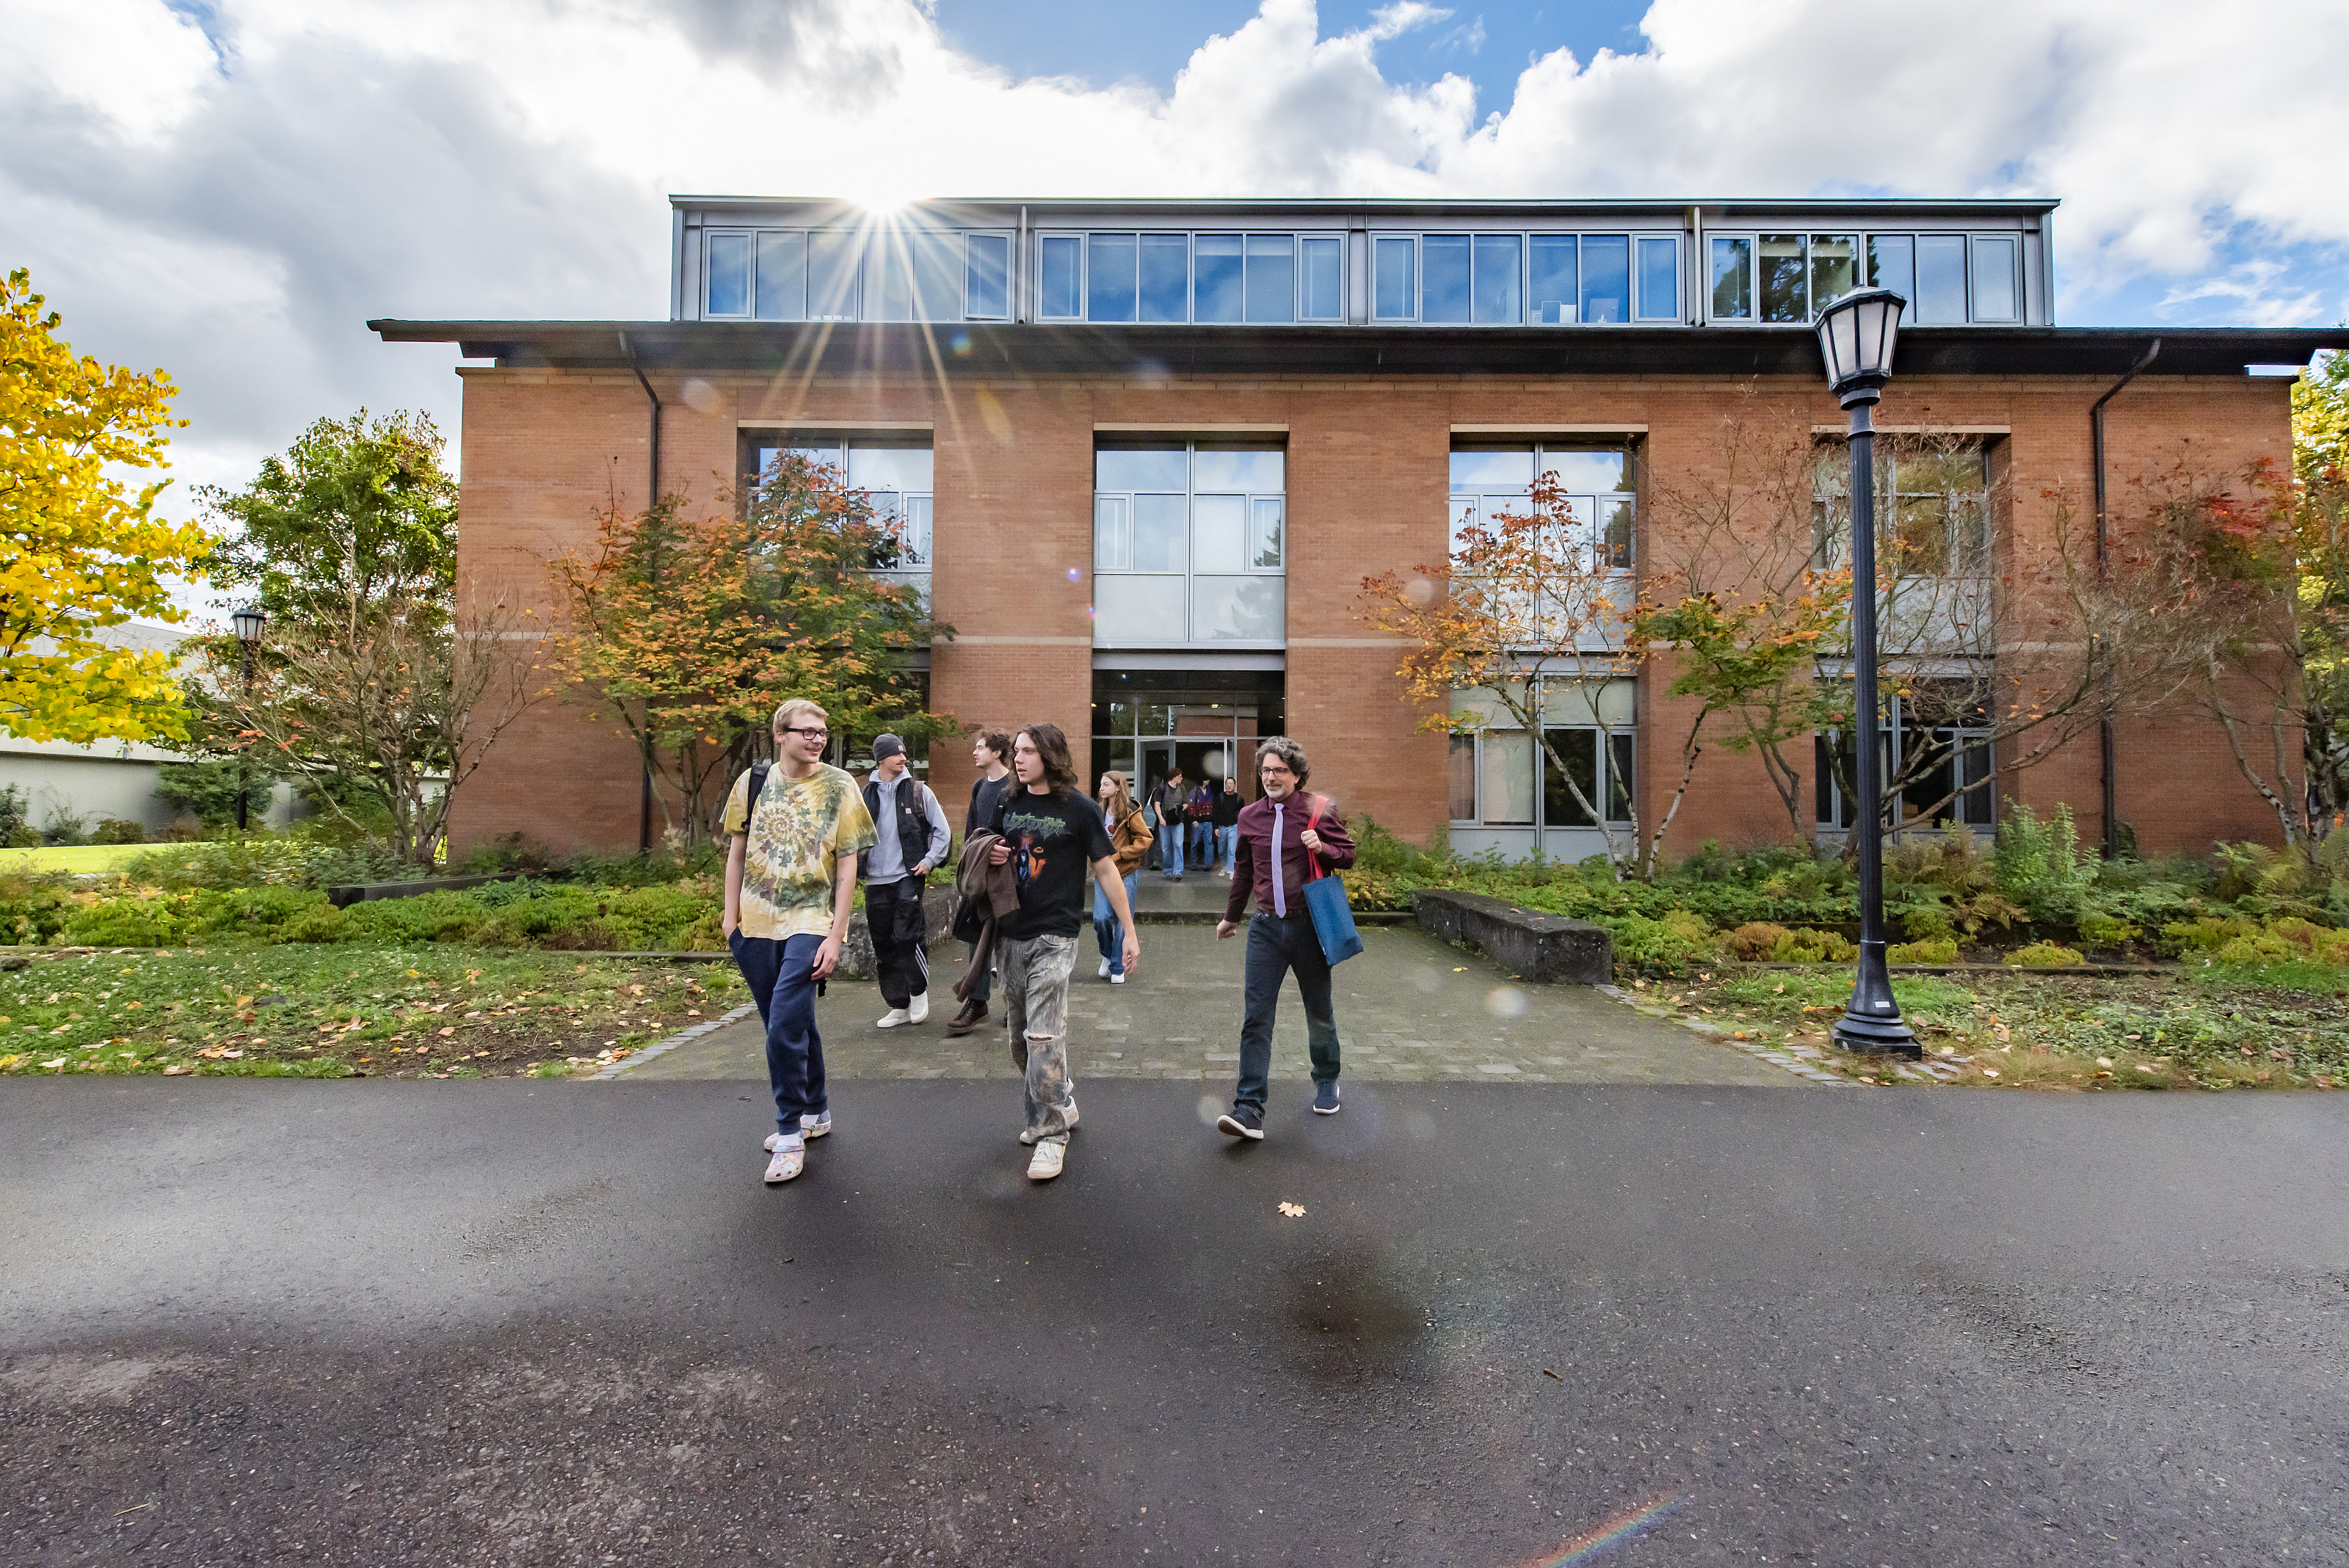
(1036, 1006)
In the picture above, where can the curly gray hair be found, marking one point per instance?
(1288, 751)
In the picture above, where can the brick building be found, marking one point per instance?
(1145, 453)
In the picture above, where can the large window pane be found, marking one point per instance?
(1237, 609)
(1444, 282)
(730, 274)
(1256, 469)
(832, 257)
(1219, 533)
(1265, 541)
(1608, 469)
(1162, 468)
(916, 536)
(1160, 526)
(988, 277)
(1140, 612)
(890, 467)
(1216, 296)
(1497, 299)
(1942, 279)
(1782, 296)
(1493, 468)
(1615, 531)
(1620, 779)
(1835, 268)
(1109, 277)
(1580, 750)
(1166, 277)
(1732, 279)
(1892, 264)
(937, 277)
(1271, 278)
(1551, 278)
(1464, 778)
(1994, 290)
(1393, 289)
(1507, 780)
(1113, 550)
(1325, 273)
(1606, 278)
(1058, 278)
(783, 278)
(1659, 280)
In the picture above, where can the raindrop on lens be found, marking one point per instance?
(1420, 591)
(1506, 1001)
(959, 343)
(1210, 1108)
(1076, 576)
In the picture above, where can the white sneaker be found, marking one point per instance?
(1046, 1164)
(1069, 1106)
(1104, 969)
(891, 1019)
(920, 1012)
(1117, 979)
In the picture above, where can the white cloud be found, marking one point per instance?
(236, 210)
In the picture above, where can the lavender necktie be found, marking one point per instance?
(1279, 882)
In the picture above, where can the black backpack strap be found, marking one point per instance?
(758, 783)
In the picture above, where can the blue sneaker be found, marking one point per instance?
(1325, 1099)
(1242, 1121)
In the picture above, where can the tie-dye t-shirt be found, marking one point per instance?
(802, 829)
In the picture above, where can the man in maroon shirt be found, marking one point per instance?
(1278, 832)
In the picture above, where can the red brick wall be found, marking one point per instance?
(544, 450)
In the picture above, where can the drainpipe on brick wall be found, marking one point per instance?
(2103, 566)
(652, 497)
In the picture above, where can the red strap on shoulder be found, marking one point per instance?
(1313, 872)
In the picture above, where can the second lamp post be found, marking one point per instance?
(1855, 335)
(248, 622)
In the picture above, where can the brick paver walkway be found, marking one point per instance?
(1410, 1009)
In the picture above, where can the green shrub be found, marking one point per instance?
(1815, 946)
(154, 922)
(2045, 955)
(262, 859)
(66, 828)
(2106, 930)
(119, 830)
(1939, 949)
(1665, 946)
(1756, 941)
(2041, 865)
(23, 837)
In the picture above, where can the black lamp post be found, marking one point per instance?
(1855, 336)
(248, 622)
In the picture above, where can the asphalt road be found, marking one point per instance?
(564, 1323)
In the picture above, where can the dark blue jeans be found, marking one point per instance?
(782, 976)
(1276, 945)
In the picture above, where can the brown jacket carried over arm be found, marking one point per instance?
(1128, 840)
(995, 890)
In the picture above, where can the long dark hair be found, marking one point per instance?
(1052, 751)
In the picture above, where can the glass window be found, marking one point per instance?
(1782, 297)
(890, 468)
(1109, 277)
(1132, 611)
(1217, 292)
(832, 258)
(1892, 264)
(1257, 468)
(1579, 748)
(1497, 279)
(1325, 293)
(1444, 277)
(922, 276)
(1493, 468)
(783, 278)
(1603, 469)
(1160, 468)
(1271, 278)
(1507, 779)
(1464, 778)
(730, 274)
(1265, 542)
(915, 535)
(1942, 279)
(1606, 278)
(1620, 776)
(1994, 290)
(1614, 531)
(1237, 609)
(1391, 286)
(1112, 547)
(1059, 271)
(1219, 525)
(1659, 280)
(1733, 278)
(1835, 268)
(1550, 278)
(1159, 526)
(987, 279)
(1166, 277)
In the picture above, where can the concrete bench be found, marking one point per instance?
(367, 892)
(1526, 943)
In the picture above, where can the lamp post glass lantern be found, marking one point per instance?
(1857, 334)
(248, 621)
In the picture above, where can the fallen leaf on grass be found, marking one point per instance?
(1294, 1210)
(1989, 1071)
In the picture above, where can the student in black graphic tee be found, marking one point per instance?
(1054, 839)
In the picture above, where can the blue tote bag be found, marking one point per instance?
(1325, 902)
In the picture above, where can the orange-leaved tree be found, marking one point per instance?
(688, 631)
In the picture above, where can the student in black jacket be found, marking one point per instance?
(991, 752)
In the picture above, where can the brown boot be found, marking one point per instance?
(972, 1016)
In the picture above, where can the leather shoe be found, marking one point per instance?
(972, 1016)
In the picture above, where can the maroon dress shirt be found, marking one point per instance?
(1253, 858)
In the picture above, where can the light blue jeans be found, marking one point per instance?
(1228, 844)
(1105, 927)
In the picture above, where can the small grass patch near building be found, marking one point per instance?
(422, 1010)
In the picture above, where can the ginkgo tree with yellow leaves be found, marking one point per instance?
(81, 551)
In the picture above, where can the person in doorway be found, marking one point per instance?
(795, 830)
(1129, 836)
(1278, 832)
(911, 837)
(1051, 833)
(1229, 800)
(1151, 857)
(991, 752)
(1173, 802)
(1199, 809)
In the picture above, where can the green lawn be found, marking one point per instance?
(77, 857)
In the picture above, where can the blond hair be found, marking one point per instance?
(799, 708)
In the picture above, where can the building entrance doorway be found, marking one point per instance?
(1147, 723)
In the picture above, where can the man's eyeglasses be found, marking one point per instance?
(818, 734)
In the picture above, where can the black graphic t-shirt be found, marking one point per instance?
(1054, 840)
